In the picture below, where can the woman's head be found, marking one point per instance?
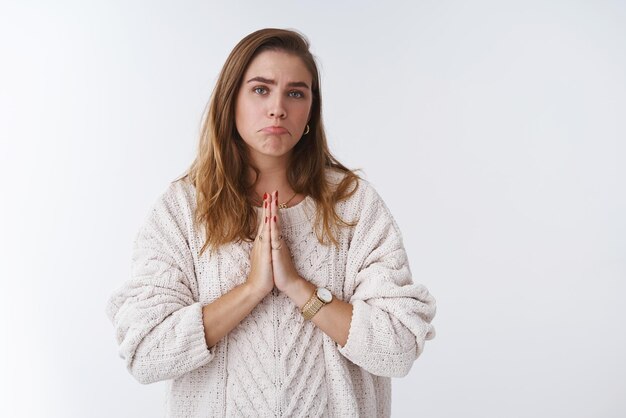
(273, 105)
(234, 135)
(291, 48)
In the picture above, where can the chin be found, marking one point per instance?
(275, 151)
(276, 154)
(271, 152)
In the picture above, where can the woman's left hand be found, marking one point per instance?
(285, 273)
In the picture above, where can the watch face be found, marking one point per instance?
(324, 295)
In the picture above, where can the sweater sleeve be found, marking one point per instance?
(157, 319)
(391, 318)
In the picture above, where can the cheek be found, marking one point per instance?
(242, 114)
(250, 110)
(302, 112)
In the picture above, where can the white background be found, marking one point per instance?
(494, 130)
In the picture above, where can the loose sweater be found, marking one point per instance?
(274, 363)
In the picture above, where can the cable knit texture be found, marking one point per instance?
(274, 363)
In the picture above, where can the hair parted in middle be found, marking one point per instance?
(220, 171)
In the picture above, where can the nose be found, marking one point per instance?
(277, 108)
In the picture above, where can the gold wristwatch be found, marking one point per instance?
(319, 298)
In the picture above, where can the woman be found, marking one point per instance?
(270, 279)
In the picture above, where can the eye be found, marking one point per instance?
(260, 90)
(296, 94)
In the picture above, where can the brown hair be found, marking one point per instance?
(220, 170)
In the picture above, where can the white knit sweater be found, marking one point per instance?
(274, 363)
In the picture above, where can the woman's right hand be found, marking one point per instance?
(261, 278)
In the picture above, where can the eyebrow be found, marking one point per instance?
(272, 82)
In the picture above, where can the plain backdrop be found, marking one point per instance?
(494, 131)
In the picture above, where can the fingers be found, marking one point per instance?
(270, 207)
(276, 237)
(265, 231)
(269, 233)
(261, 221)
(261, 274)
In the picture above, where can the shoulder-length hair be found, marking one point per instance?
(220, 171)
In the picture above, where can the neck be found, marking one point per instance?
(272, 176)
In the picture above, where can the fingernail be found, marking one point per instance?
(266, 219)
(277, 193)
(274, 218)
(264, 196)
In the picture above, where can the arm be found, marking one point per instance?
(333, 319)
(392, 316)
(223, 314)
(162, 330)
(157, 318)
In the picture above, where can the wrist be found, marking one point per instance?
(299, 291)
(254, 292)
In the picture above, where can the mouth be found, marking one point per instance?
(277, 130)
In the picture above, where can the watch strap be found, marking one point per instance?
(313, 305)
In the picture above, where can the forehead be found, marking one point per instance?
(278, 65)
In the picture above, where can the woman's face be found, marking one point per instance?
(273, 104)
